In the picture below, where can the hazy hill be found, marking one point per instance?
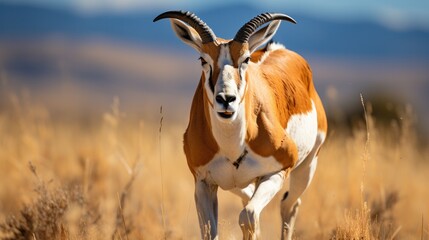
(311, 35)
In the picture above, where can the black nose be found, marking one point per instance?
(225, 100)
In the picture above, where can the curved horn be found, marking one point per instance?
(250, 27)
(190, 18)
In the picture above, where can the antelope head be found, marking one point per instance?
(224, 62)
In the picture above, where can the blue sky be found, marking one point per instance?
(399, 14)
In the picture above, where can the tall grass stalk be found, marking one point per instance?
(366, 153)
(162, 175)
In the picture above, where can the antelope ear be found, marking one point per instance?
(187, 34)
(263, 35)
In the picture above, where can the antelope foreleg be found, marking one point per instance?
(206, 203)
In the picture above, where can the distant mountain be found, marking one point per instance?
(316, 36)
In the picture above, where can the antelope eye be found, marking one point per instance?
(246, 61)
(203, 62)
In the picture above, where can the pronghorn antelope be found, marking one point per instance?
(256, 119)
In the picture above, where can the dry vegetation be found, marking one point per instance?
(121, 177)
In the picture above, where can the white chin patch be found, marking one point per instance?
(226, 116)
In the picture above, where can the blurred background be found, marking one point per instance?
(77, 55)
(94, 95)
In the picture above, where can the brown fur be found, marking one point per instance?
(199, 143)
(284, 82)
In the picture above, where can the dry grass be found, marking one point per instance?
(104, 179)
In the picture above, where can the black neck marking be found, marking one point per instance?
(239, 159)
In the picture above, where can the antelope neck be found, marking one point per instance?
(230, 136)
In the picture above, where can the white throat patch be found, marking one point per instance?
(230, 136)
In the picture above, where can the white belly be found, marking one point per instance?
(226, 175)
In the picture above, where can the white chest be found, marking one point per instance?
(227, 175)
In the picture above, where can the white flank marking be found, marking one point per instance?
(302, 128)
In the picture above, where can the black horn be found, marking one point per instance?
(190, 18)
(250, 27)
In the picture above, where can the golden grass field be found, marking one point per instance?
(117, 176)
